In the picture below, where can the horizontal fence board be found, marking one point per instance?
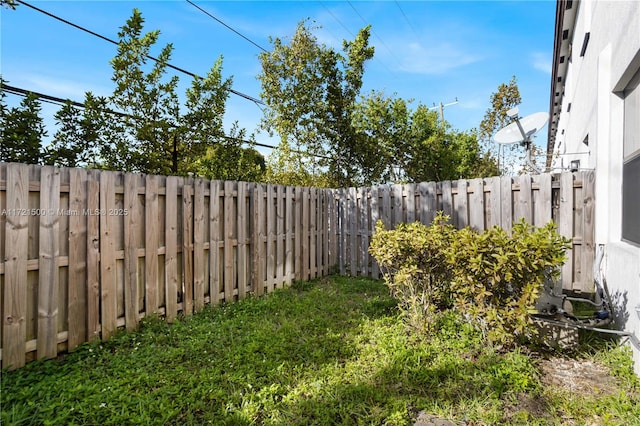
(123, 246)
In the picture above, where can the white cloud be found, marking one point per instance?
(57, 86)
(541, 61)
(435, 59)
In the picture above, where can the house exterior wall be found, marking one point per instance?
(593, 86)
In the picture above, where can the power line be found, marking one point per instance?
(227, 26)
(336, 18)
(59, 101)
(176, 68)
(377, 36)
(406, 19)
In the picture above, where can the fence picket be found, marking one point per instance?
(15, 266)
(93, 256)
(78, 302)
(130, 251)
(241, 237)
(108, 296)
(48, 276)
(151, 243)
(171, 248)
(565, 225)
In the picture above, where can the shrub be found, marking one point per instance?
(492, 278)
(497, 277)
(413, 259)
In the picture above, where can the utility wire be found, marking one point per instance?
(378, 37)
(182, 70)
(59, 101)
(337, 20)
(227, 26)
(406, 19)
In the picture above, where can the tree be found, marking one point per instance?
(228, 160)
(286, 166)
(506, 97)
(383, 126)
(142, 126)
(310, 91)
(22, 130)
(9, 4)
(81, 133)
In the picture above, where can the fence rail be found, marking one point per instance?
(83, 253)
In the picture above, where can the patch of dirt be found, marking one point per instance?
(577, 376)
(536, 407)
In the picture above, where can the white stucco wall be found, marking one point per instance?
(592, 87)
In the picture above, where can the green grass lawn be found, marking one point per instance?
(328, 352)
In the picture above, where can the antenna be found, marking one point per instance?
(521, 131)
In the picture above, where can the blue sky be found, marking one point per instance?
(430, 51)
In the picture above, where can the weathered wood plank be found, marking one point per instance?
(199, 237)
(565, 225)
(229, 233)
(542, 205)
(410, 197)
(241, 257)
(447, 198)
(375, 216)
(313, 271)
(214, 241)
(341, 207)
(48, 275)
(187, 247)
(364, 232)
(494, 212)
(428, 202)
(15, 266)
(108, 224)
(131, 309)
(151, 243)
(93, 256)
(289, 263)
(588, 236)
(271, 237)
(77, 258)
(171, 248)
(352, 217)
(280, 235)
(299, 197)
(320, 225)
(259, 249)
(506, 203)
(398, 204)
(386, 214)
(461, 216)
(523, 207)
(477, 205)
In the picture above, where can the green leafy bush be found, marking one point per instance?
(493, 278)
(413, 258)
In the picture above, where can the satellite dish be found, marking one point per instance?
(521, 130)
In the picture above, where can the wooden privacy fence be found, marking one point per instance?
(85, 252)
(567, 199)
